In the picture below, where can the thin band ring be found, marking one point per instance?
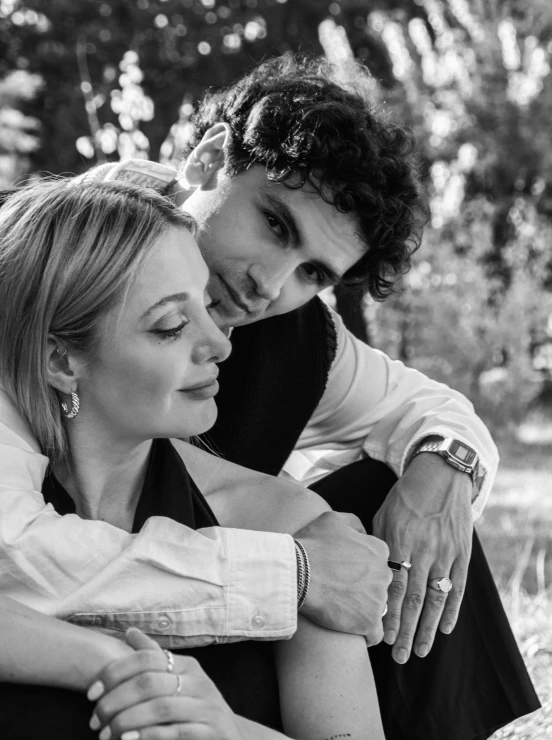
(178, 684)
(170, 661)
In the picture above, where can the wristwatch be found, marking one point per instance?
(455, 453)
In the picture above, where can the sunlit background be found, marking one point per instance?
(84, 81)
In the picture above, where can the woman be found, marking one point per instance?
(107, 349)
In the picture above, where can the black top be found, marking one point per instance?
(244, 672)
(271, 385)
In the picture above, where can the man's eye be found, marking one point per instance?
(313, 274)
(275, 225)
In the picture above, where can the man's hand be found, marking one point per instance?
(426, 520)
(349, 578)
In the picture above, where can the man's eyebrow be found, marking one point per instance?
(174, 298)
(288, 217)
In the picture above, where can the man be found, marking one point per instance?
(296, 183)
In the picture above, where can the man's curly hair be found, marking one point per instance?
(311, 124)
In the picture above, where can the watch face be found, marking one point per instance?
(462, 452)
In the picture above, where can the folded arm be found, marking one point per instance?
(186, 587)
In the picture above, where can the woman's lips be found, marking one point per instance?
(207, 389)
(203, 391)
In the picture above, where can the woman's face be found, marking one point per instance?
(154, 371)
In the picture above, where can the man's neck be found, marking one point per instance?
(104, 475)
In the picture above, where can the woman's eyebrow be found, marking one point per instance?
(174, 298)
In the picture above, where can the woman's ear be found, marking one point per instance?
(208, 157)
(62, 369)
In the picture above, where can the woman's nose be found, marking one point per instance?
(215, 346)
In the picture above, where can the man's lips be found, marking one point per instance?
(235, 296)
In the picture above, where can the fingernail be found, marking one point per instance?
(402, 657)
(131, 735)
(390, 637)
(95, 691)
(94, 723)
(447, 629)
(105, 734)
(423, 650)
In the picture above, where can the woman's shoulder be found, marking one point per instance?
(247, 499)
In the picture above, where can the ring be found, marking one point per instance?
(440, 584)
(394, 565)
(170, 661)
(384, 611)
(178, 684)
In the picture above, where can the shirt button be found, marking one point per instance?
(258, 622)
(163, 624)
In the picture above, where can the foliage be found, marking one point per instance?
(473, 76)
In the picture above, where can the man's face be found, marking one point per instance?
(269, 248)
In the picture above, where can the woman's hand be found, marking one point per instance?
(142, 700)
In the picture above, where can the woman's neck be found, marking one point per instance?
(104, 475)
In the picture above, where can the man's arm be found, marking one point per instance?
(187, 587)
(380, 407)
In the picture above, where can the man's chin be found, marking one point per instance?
(227, 319)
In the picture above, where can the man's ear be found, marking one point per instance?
(208, 157)
(63, 370)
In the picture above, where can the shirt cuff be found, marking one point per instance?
(261, 593)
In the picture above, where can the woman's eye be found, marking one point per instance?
(173, 333)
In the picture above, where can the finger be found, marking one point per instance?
(139, 689)
(458, 576)
(162, 710)
(140, 641)
(434, 605)
(122, 670)
(188, 731)
(395, 597)
(410, 612)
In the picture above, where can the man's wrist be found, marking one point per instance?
(455, 454)
(303, 574)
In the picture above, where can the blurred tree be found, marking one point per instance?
(18, 132)
(472, 76)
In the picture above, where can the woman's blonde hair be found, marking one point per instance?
(68, 251)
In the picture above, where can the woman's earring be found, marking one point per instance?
(75, 406)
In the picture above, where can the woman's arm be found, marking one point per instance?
(327, 688)
(43, 650)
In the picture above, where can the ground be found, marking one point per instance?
(516, 531)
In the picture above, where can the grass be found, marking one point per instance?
(516, 531)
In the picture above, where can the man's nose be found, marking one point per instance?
(270, 277)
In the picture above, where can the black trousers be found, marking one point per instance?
(474, 680)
